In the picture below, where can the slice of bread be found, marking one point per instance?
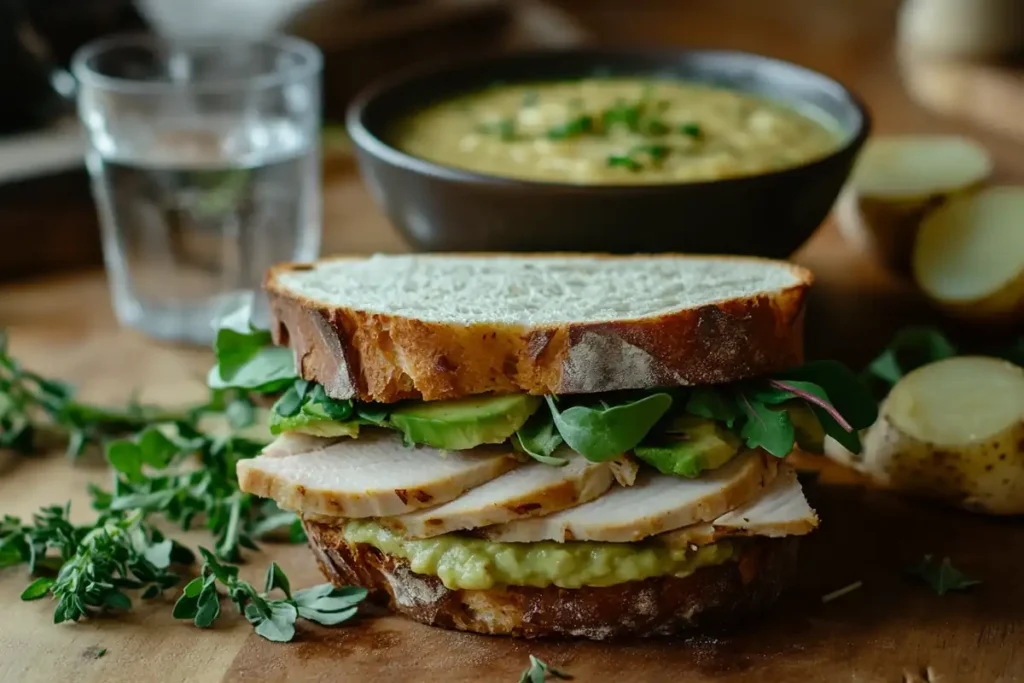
(714, 595)
(440, 326)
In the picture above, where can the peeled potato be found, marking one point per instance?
(898, 180)
(953, 430)
(969, 255)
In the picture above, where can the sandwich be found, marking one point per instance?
(549, 445)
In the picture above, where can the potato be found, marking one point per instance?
(897, 181)
(952, 430)
(969, 256)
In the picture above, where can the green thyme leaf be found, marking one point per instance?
(941, 577)
(273, 619)
(504, 129)
(540, 671)
(604, 432)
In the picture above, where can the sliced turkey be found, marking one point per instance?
(527, 491)
(294, 443)
(654, 504)
(372, 476)
(782, 510)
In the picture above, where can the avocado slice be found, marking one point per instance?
(463, 423)
(689, 446)
(312, 419)
(810, 436)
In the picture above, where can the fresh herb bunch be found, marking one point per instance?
(540, 671)
(31, 406)
(154, 473)
(273, 618)
(94, 564)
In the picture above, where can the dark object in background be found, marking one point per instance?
(439, 208)
(28, 99)
(367, 40)
(38, 37)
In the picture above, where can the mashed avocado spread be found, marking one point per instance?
(478, 564)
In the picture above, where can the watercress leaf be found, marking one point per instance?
(296, 532)
(269, 370)
(369, 413)
(765, 428)
(911, 348)
(157, 500)
(276, 578)
(845, 391)
(333, 408)
(290, 402)
(279, 626)
(601, 433)
(539, 671)
(713, 404)
(38, 588)
(308, 596)
(539, 438)
(224, 573)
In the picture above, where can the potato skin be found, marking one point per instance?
(986, 477)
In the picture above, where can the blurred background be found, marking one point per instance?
(919, 65)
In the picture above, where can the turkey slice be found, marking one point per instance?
(372, 476)
(654, 504)
(782, 510)
(527, 491)
(294, 443)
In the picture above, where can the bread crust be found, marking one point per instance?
(387, 358)
(712, 596)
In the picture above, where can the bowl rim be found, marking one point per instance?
(365, 139)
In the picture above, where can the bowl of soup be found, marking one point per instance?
(609, 150)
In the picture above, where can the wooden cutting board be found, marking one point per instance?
(892, 629)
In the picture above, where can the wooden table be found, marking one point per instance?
(890, 630)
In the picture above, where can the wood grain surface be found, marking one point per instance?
(892, 629)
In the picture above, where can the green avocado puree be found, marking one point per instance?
(478, 564)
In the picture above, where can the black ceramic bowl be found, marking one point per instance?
(440, 208)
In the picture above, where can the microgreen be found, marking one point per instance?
(539, 438)
(601, 432)
(911, 348)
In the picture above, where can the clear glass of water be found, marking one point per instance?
(205, 163)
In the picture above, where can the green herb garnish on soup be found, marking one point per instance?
(615, 131)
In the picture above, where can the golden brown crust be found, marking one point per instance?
(384, 358)
(711, 596)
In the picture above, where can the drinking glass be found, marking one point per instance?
(205, 164)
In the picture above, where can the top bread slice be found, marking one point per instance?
(443, 326)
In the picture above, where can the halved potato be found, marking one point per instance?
(953, 430)
(969, 255)
(897, 181)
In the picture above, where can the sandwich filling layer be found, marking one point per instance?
(464, 562)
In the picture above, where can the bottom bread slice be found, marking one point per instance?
(712, 596)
